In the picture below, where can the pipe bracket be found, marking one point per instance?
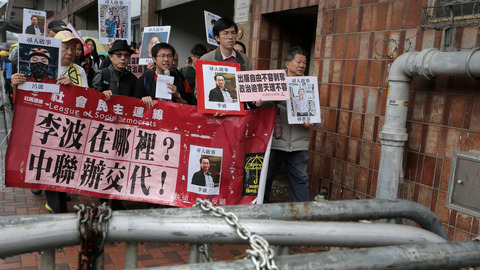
(422, 67)
(394, 137)
(467, 62)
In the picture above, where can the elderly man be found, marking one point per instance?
(56, 26)
(290, 144)
(116, 79)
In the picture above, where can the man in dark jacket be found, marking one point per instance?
(203, 177)
(116, 79)
(220, 93)
(162, 55)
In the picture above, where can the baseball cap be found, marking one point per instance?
(67, 36)
(57, 26)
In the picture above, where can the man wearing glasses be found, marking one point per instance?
(162, 55)
(225, 33)
(116, 79)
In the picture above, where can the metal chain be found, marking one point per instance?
(92, 230)
(204, 250)
(261, 255)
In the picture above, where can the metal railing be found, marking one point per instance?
(286, 224)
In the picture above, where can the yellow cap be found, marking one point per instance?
(67, 36)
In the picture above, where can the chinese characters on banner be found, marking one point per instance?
(135, 67)
(78, 142)
(262, 84)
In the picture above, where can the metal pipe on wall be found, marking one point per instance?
(429, 63)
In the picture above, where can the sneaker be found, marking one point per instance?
(48, 207)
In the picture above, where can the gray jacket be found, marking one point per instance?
(294, 137)
(216, 55)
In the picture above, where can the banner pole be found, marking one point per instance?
(263, 173)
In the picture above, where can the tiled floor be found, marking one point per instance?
(17, 201)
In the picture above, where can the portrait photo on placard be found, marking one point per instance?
(151, 36)
(303, 104)
(204, 170)
(38, 61)
(34, 22)
(114, 20)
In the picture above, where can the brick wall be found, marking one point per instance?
(355, 44)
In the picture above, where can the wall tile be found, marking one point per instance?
(428, 170)
(340, 147)
(362, 69)
(356, 125)
(464, 222)
(369, 127)
(436, 109)
(474, 141)
(453, 142)
(362, 180)
(367, 18)
(445, 175)
(339, 49)
(323, 94)
(415, 131)
(397, 15)
(343, 123)
(337, 72)
(334, 96)
(358, 97)
(425, 196)
(381, 16)
(326, 71)
(350, 172)
(432, 140)
(411, 166)
(346, 97)
(457, 111)
(442, 212)
(460, 236)
(372, 100)
(419, 106)
(352, 150)
(349, 72)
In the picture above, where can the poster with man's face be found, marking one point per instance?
(38, 61)
(217, 89)
(114, 20)
(210, 20)
(34, 22)
(303, 105)
(151, 36)
(204, 170)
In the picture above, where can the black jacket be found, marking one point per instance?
(216, 95)
(199, 178)
(121, 83)
(146, 86)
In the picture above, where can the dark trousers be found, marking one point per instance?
(57, 201)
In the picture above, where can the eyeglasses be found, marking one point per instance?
(226, 33)
(169, 56)
(119, 55)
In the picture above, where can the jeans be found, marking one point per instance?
(297, 163)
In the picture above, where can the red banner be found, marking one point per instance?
(79, 142)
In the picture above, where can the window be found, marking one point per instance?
(459, 10)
